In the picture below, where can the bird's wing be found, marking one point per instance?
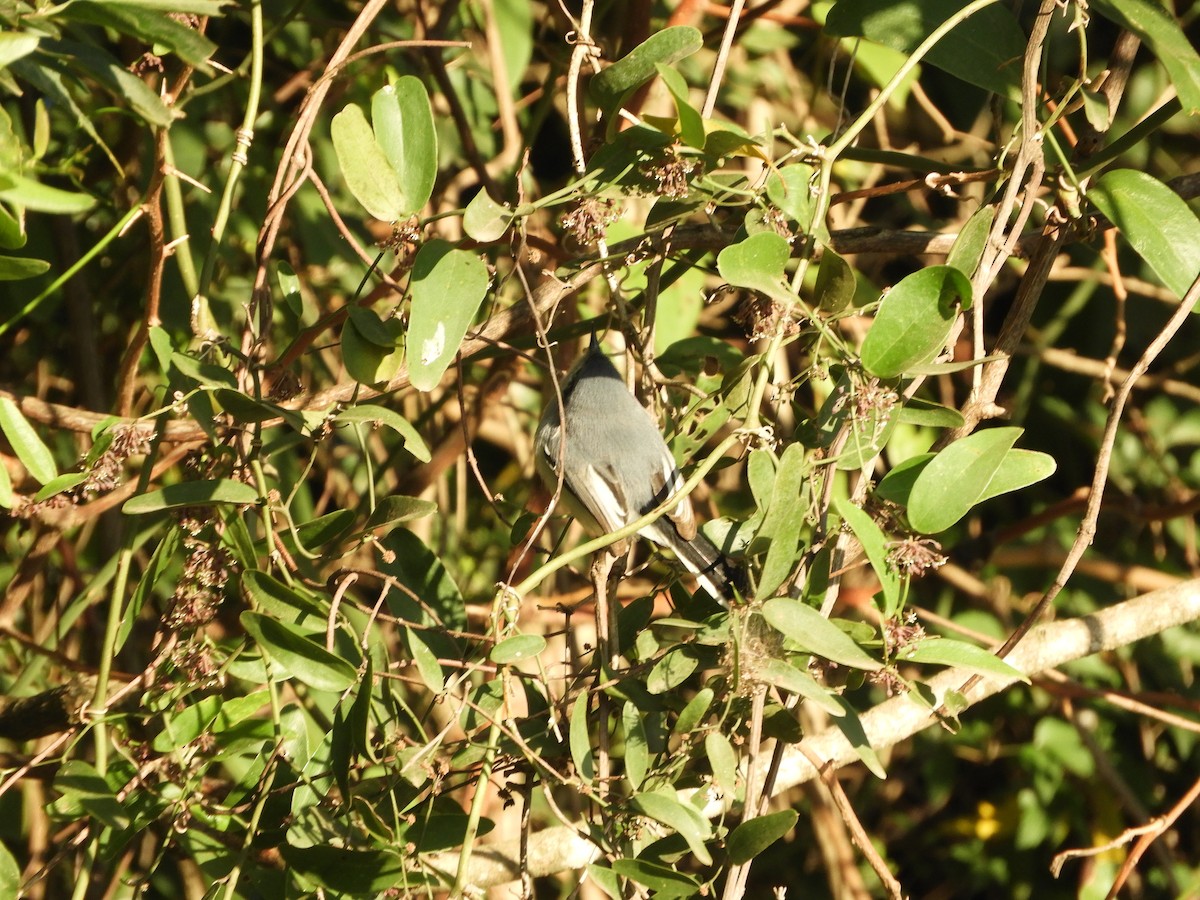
(666, 481)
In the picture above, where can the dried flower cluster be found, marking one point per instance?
(202, 584)
(762, 316)
(588, 222)
(915, 556)
(671, 174)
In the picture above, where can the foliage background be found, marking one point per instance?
(157, 273)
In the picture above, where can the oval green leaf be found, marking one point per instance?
(816, 634)
(448, 286)
(956, 478)
(517, 648)
(665, 882)
(796, 681)
(378, 415)
(403, 123)
(34, 455)
(191, 493)
(682, 818)
(874, 543)
(365, 166)
(757, 263)
(914, 320)
(17, 268)
(366, 361)
(1158, 224)
(637, 67)
(754, 836)
(948, 652)
(486, 220)
(303, 658)
(722, 759)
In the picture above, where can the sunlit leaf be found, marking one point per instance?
(664, 47)
(1158, 224)
(402, 120)
(753, 836)
(298, 655)
(34, 455)
(914, 320)
(816, 634)
(448, 286)
(191, 493)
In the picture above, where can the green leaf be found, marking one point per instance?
(191, 493)
(184, 726)
(851, 728)
(694, 712)
(350, 872)
(1019, 469)
(754, 836)
(785, 519)
(10, 874)
(929, 414)
(203, 373)
(758, 263)
(914, 321)
(789, 188)
(957, 477)
(485, 220)
(7, 499)
(280, 601)
(448, 286)
(968, 247)
(665, 47)
(816, 634)
(369, 175)
(986, 50)
(517, 648)
(797, 681)
(199, 7)
(148, 26)
(426, 660)
(947, 652)
(897, 485)
(637, 754)
(30, 194)
(665, 882)
(14, 45)
(691, 126)
(836, 284)
(722, 758)
(247, 410)
(12, 231)
(395, 509)
(682, 818)
(378, 415)
(118, 80)
(874, 543)
(403, 125)
(672, 670)
(366, 361)
(300, 656)
(58, 485)
(383, 334)
(1161, 32)
(1158, 224)
(581, 742)
(34, 455)
(79, 783)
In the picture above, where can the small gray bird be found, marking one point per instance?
(616, 467)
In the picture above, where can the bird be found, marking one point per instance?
(615, 467)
